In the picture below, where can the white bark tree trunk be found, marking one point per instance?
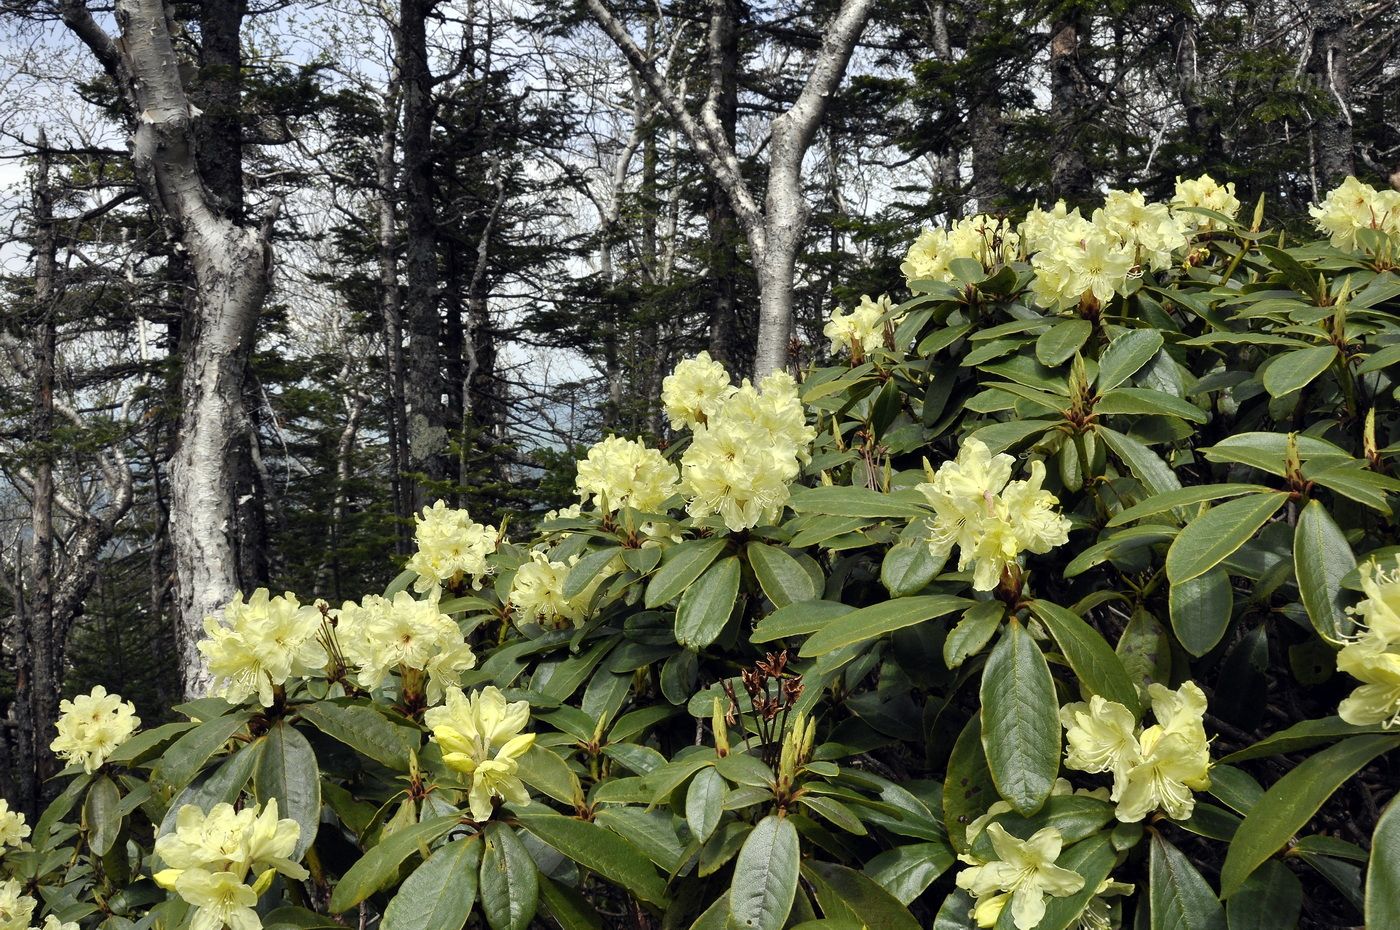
(231, 264)
(774, 231)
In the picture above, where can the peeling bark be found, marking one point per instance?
(231, 264)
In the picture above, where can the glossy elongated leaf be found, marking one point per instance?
(365, 730)
(1147, 467)
(599, 850)
(856, 502)
(1118, 544)
(705, 606)
(1304, 734)
(1215, 535)
(765, 876)
(1292, 801)
(570, 909)
(586, 569)
(1124, 356)
(682, 566)
(1383, 873)
(1295, 370)
(1020, 723)
(781, 576)
(102, 812)
(798, 620)
(510, 882)
(1178, 896)
(908, 568)
(1062, 340)
(704, 802)
(875, 621)
(970, 636)
(850, 897)
(968, 789)
(1144, 401)
(441, 892)
(180, 763)
(1185, 497)
(1094, 662)
(380, 864)
(221, 786)
(288, 772)
(1321, 559)
(906, 871)
(1271, 900)
(1201, 609)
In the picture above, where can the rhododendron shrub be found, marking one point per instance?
(1066, 595)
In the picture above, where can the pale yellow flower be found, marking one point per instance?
(861, 331)
(1372, 654)
(1023, 875)
(221, 899)
(537, 591)
(1100, 736)
(261, 644)
(92, 726)
(1379, 612)
(621, 473)
(1353, 206)
(13, 829)
(1098, 914)
(481, 737)
(406, 634)
(226, 841)
(990, 519)
(15, 907)
(694, 390)
(1204, 192)
(990, 241)
(451, 546)
(1171, 768)
(1147, 229)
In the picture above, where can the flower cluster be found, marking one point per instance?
(92, 726)
(742, 459)
(1354, 206)
(13, 829)
(209, 858)
(260, 644)
(1373, 655)
(989, 517)
(480, 735)
(405, 634)
(1022, 875)
(624, 473)
(988, 240)
(694, 390)
(451, 546)
(1204, 192)
(537, 593)
(15, 908)
(861, 331)
(1153, 768)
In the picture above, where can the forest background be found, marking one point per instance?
(272, 288)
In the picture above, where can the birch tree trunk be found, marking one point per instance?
(231, 263)
(774, 228)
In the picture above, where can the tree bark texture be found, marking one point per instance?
(1330, 22)
(1070, 177)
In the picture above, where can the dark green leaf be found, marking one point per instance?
(781, 576)
(102, 813)
(705, 606)
(1062, 340)
(1383, 873)
(598, 849)
(856, 502)
(1178, 896)
(1094, 662)
(682, 565)
(288, 772)
(1201, 609)
(765, 876)
(1215, 535)
(704, 802)
(1321, 559)
(440, 893)
(1291, 803)
(1271, 900)
(1125, 355)
(908, 567)
(875, 621)
(1295, 370)
(380, 864)
(1020, 723)
(510, 884)
(972, 633)
(798, 620)
(365, 730)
